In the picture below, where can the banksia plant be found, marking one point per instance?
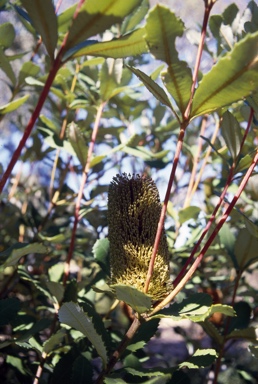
(133, 214)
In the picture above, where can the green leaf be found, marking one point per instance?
(131, 44)
(77, 142)
(8, 310)
(162, 29)
(242, 318)
(28, 69)
(101, 254)
(42, 14)
(133, 20)
(6, 66)
(7, 35)
(54, 341)
(56, 290)
(246, 247)
(95, 17)
(12, 255)
(196, 307)
(248, 334)
(200, 359)
(13, 105)
(234, 77)
(73, 315)
(212, 331)
(231, 132)
(244, 163)
(188, 214)
(143, 335)
(136, 299)
(153, 87)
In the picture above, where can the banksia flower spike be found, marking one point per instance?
(133, 214)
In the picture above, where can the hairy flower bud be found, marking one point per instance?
(133, 214)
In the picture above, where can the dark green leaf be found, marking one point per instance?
(234, 77)
(95, 17)
(12, 255)
(101, 252)
(42, 14)
(8, 310)
(7, 35)
(252, 25)
(242, 318)
(230, 14)
(200, 359)
(144, 334)
(246, 247)
(82, 371)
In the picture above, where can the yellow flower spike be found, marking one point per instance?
(133, 214)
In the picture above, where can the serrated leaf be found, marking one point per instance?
(13, 105)
(128, 45)
(145, 372)
(246, 247)
(95, 17)
(212, 331)
(7, 35)
(8, 310)
(162, 29)
(56, 290)
(6, 67)
(197, 307)
(54, 341)
(73, 315)
(136, 299)
(153, 87)
(42, 14)
(234, 77)
(144, 153)
(188, 214)
(231, 132)
(200, 359)
(77, 142)
(143, 335)
(12, 255)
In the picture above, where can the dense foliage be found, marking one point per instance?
(109, 87)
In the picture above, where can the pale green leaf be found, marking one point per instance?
(244, 163)
(246, 247)
(6, 66)
(153, 87)
(13, 105)
(95, 17)
(7, 35)
(12, 255)
(77, 141)
(188, 214)
(97, 159)
(162, 29)
(234, 77)
(28, 69)
(54, 341)
(133, 20)
(64, 20)
(139, 301)
(144, 154)
(200, 359)
(231, 132)
(73, 315)
(128, 45)
(42, 14)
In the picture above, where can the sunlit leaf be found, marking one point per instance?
(73, 315)
(188, 214)
(162, 28)
(13, 105)
(200, 359)
(231, 132)
(234, 77)
(95, 17)
(132, 21)
(42, 14)
(12, 255)
(136, 299)
(128, 45)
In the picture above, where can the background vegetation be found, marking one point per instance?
(101, 88)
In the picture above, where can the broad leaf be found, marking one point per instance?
(143, 335)
(246, 247)
(188, 214)
(231, 132)
(6, 66)
(12, 255)
(153, 87)
(200, 359)
(7, 35)
(27, 69)
(73, 315)
(162, 28)
(136, 299)
(234, 77)
(128, 45)
(101, 252)
(42, 14)
(13, 105)
(54, 341)
(95, 17)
